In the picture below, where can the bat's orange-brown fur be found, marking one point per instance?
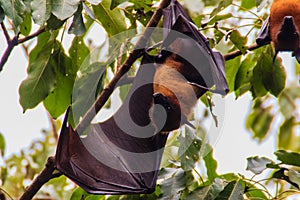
(172, 81)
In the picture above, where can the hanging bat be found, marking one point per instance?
(282, 27)
(122, 155)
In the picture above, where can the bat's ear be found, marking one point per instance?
(263, 36)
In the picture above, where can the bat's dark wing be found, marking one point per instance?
(184, 39)
(121, 155)
(263, 36)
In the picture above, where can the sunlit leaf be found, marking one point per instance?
(232, 67)
(112, 20)
(64, 9)
(257, 164)
(285, 135)
(78, 51)
(41, 10)
(248, 4)
(40, 80)
(15, 10)
(2, 144)
(211, 165)
(222, 5)
(238, 40)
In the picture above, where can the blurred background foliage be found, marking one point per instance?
(189, 170)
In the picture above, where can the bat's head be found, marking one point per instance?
(288, 36)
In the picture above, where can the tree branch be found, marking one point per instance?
(11, 43)
(40, 180)
(237, 53)
(133, 56)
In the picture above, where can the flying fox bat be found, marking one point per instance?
(122, 155)
(282, 27)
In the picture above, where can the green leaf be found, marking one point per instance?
(238, 40)
(115, 3)
(211, 165)
(172, 186)
(53, 23)
(244, 72)
(25, 27)
(259, 122)
(288, 158)
(222, 5)
(2, 145)
(218, 18)
(41, 11)
(287, 101)
(78, 52)
(64, 9)
(231, 69)
(189, 149)
(233, 191)
(59, 99)
(207, 192)
(280, 174)
(285, 135)
(40, 80)
(77, 27)
(15, 10)
(112, 20)
(248, 4)
(257, 164)
(87, 86)
(268, 75)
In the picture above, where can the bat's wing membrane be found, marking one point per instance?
(263, 36)
(121, 155)
(197, 52)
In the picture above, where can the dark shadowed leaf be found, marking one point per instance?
(59, 99)
(289, 158)
(171, 187)
(2, 14)
(15, 10)
(209, 192)
(53, 23)
(64, 9)
(257, 164)
(77, 27)
(41, 10)
(232, 191)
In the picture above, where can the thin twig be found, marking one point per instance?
(40, 180)
(237, 53)
(5, 32)
(133, 56)
(11, 43)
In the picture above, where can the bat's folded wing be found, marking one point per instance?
(121, 155)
